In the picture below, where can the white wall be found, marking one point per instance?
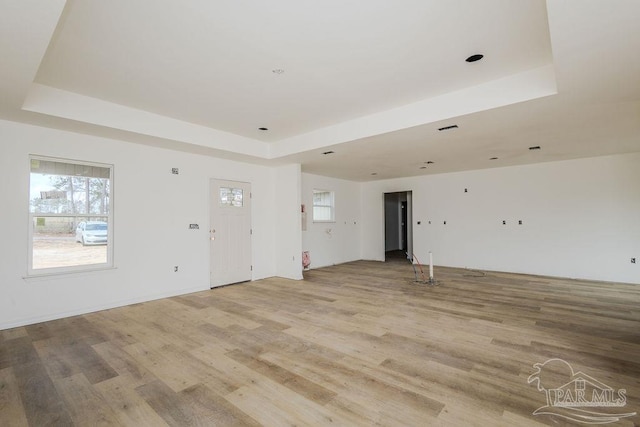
(342, 243)
(287, 206)
(152, 211)
(580, 218)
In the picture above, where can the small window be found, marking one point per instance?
(231, 197)
(70, 216)
(323, 206)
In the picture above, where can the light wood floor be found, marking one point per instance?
(357, 344)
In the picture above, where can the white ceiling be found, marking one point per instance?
(371, 80)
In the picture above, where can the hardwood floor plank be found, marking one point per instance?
(226, 368)
(213, 409)
(85, 404)
(281, 375)
(129, 407)
(166, 404)
(340, 343)
(193, 302)
(145, 325)
(11, 407)
(67, 356)
(9, 334)
(354, 413)
(171, 372)
(511, 419)
(42, 403)
(17, 351)
(116, 327)
(223, 319)
(123, 363)
(193, 406)
(431, 389)
(274, 404)
(78, 327)
(360, 388)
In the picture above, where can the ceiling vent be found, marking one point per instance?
(474, 58)
(328, 152)
(536, 147)
(448, 128)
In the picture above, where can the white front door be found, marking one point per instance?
(230, 232)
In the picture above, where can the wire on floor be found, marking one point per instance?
(422, 278)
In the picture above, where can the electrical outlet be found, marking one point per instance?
(633, 260)
(194, 227)
(175, 171)
(175, 269)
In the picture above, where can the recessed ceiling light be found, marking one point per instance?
(448, 128)
(328, 152)
(277, 71)
(536, 147)
(263, 128)
(474, 58)
(493, 158)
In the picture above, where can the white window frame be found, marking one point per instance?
(331, 206)
(109, 264)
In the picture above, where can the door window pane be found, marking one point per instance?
(232, 197)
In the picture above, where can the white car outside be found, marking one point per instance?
(92, 233)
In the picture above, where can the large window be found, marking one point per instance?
(70, 216)
(323, 206)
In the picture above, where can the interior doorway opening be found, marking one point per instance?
(398, 230)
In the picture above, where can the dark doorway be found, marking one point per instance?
(403, 224)
(398, 232)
